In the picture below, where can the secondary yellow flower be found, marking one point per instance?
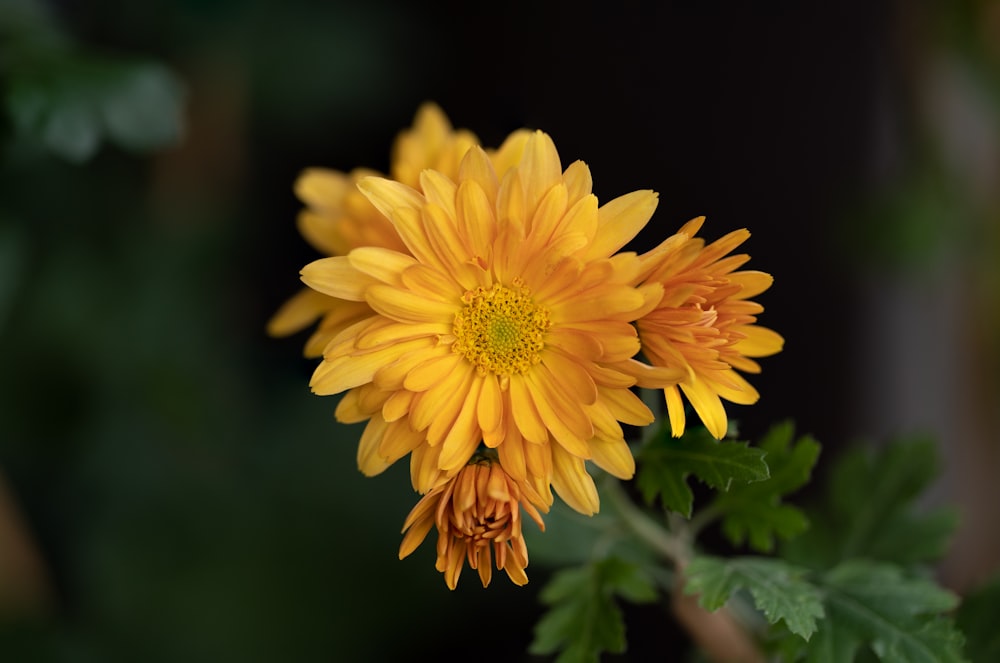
(339, 218)
(478, 515)
(506, 322)
(705, 324)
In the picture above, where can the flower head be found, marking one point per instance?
(478, 517)
(506, 321)
(705, 324)
(338, 218)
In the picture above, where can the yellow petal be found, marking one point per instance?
(397, 406)
(548, 216)
(512, 458)
(567, 422)
(432, 372)
(573, 377)
(475, 219)
(708, 406)
(391, 376)
(758, 341)
(431, 283)
(525, 415)
(652, 377)
(515, 571)
(438, 407)
(385, 265)
(439, 190)
(344, 372)
(424, 472)
(407, 306)
(341, 315)
(464, 435)
(448, 243)
(348, 411)
(399, 439)
(369, 462)
(572, 483)
(490, 410)
(539, 168)
(414, 536)
(395, 332)
(603, 304)
(613, 456)
(579, 182)
(476, 167)
(322, 188)
(733, 387)
(626, 406)
(300, 311)
(581, 217)
(336, 277)
(675, 408)
(620, 220)
(389, 196)
(751, 282)
(509, 154)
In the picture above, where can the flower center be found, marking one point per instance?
(500, 329)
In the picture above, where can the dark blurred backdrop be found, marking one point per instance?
(172, 491)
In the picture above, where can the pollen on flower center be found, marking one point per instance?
(500, 329)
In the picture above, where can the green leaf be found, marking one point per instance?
(70, 102)
(583, 619)
(869, 511)
(666, 463)
(754, 513)
(778, 589)
(896, 615)
(977, 618)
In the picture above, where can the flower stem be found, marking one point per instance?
(718, 634)
(675, 546)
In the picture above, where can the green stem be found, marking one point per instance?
(675, 546)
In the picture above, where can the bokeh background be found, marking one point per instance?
(169, 488)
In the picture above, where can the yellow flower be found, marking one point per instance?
(705, 324)
(478, 515)
(339, 218)
(507, 321)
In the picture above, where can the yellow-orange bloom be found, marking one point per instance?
(507, 321)
(478, 516)
(338, 218)
(705, 324)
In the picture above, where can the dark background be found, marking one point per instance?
(189, 499)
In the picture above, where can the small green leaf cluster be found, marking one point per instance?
(853, 584)
(845, 579)
(584, 619)
(69, 100)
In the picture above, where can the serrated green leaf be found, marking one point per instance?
(584, 619)
(666, 463)
(878, 605)
(779, 589)
(754, 512)
(868, 510)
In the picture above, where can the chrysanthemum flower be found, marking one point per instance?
(478, 516)
(705, 324)
(506, 322)
(339, 218)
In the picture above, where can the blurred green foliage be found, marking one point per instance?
(190, 499)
